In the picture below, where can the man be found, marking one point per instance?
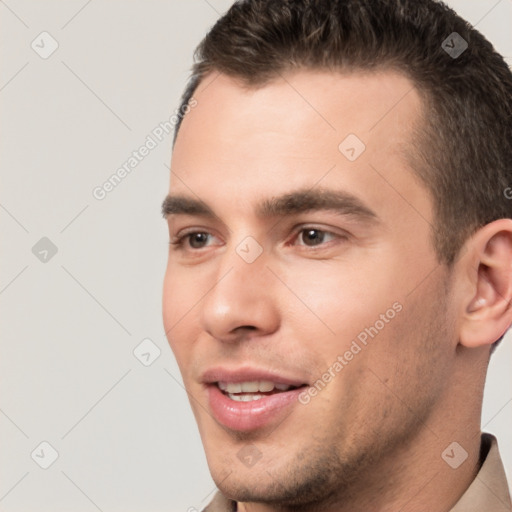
(341, 251)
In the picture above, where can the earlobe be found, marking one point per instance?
(487, 313)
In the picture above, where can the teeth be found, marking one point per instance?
(245, 398)
(230, 388)
(254, 386)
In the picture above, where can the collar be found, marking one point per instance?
(489, 490)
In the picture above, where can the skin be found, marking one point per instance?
(372, 439)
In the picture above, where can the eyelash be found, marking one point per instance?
(179, 241)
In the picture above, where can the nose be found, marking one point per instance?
(242, 299)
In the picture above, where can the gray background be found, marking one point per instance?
(125, 436)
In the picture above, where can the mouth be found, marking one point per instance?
(245, 399)
(252, 390)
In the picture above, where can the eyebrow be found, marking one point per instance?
(293, 203)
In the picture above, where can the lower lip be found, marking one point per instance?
(245, 416)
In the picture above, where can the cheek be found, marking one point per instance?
(169, 297)
(178, 301)
(339, 300)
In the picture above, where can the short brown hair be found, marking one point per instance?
(464, 147)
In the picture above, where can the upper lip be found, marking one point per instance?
(248, 374)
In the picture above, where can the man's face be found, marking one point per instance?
(347, 304)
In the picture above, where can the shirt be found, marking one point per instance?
(488, 492)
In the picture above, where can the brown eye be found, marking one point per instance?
(190, 241)
(197, 239)
(312, 236)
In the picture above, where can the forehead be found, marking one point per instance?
(345, 131)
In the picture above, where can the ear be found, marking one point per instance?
(486, 267)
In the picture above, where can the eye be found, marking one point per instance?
(191, 240)
(312, 236)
